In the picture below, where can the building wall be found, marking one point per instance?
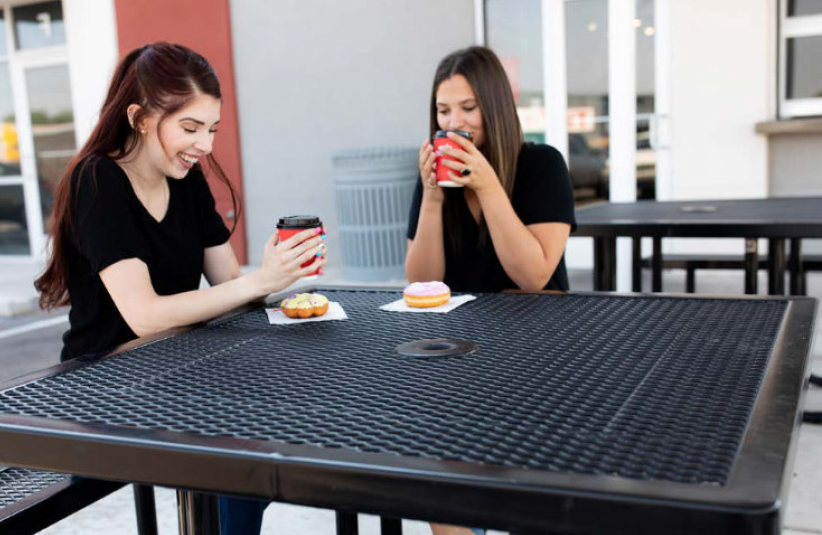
(722, 76)
(795, 165)
(91, 39)
(204, 26)
(317, 77)
(722, 83)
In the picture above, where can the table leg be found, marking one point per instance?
(145, 509)
(797, 270)
(390, 526)
(605, 263)
(751, 265)
(690, 280)
(656, 266)
(776, 266)
(636, 265)
(198, 513)
(347, 523)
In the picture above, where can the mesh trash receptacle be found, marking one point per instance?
(373, 189)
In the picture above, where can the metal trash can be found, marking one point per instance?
(373, 190)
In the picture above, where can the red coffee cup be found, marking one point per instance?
(290, 225)
(441, 140)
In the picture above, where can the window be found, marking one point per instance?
(37, 135)
(514, 30)
(800, 58)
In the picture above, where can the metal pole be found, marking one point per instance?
(636, 285)
(390, 526)
(145, 509)
(751, 265)
(599, 263)
(198, 513)
(346, 523)
(796, 267)
(656, 266)
(776, 266)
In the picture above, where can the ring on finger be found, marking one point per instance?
(466, 171)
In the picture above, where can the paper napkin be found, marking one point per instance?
(454, 302)
(335, 312)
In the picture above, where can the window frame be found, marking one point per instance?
(19, 62)
(790, 28)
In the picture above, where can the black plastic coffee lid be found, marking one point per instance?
(299, 221)
(444, 133)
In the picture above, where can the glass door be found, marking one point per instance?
(589, 122)
(37, 135)
(14, 235)
(516, 31)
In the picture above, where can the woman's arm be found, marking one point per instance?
(425, 256)
(220, 264)
(528, 254)
(129, 284)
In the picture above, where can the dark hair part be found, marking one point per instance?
(502, 132)
(161, 78)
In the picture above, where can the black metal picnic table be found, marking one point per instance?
(777, 219)
(577, 413)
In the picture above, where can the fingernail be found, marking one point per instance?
(318, 230)
(321, 271)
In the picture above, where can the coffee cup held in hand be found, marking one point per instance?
(441, 140)
(291, 225)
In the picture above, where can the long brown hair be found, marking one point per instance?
(501, 127)
(161, 78)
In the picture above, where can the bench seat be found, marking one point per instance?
(32, 500)
(692, 262)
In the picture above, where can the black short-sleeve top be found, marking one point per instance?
(542, 194)
(109, 224)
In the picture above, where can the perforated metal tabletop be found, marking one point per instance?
(778, 219)
(673, 409)
(786, 217)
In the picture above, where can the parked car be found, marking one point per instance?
(586, 166)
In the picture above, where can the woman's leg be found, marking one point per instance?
(443, 529)
(241, 517)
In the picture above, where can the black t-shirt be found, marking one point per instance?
(111, 224)
(542, 194)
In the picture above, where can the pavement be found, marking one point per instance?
(26, 330)
(17, 294)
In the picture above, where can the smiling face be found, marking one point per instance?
(184, 137)
(458, 108)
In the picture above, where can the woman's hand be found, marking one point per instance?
(482, 176)
(283, 260)
(430, 190)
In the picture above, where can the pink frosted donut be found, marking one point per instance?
(426, 294)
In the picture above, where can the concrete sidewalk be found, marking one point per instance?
(17, 294)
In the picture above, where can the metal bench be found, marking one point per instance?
(691, 262)
(32, 500)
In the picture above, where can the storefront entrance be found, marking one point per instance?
(37, 133)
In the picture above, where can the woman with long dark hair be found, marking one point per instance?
(507, 226)
(135, 225)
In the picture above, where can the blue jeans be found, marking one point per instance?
(245, 517)
(239, 516)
